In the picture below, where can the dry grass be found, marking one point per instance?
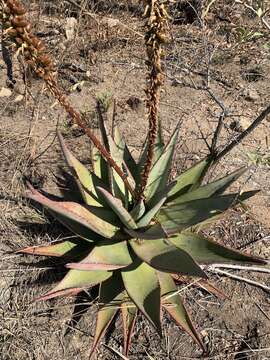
(237, 328)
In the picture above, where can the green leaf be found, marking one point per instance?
(166, 257)
(142, 286)
(119, 189)
(175, 218)
(150, 214)
(215, 188)
(82, 175)
(110, 297)
(100, 166)
(172, 302)
(63, 248)
(129, 315)
(106, 255)
(160, 172)
(190, 179)
(76, 217)
(75, 281)
(153, 232)
(129, 161)
(116, 205)
(160, 195)
(138, 210)
(207, 251)
(127, 158)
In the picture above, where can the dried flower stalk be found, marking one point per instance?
(155, 37)
(17, 29)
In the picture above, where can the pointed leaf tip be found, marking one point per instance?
(166, 257)
(117, 206)
(141, 283)
(75, 281)
(111, 293)
(129, 315)
(173, 304)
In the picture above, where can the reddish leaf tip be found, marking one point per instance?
(59, 293)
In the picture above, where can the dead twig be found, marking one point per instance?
(240, 278)
(244, 134)
(239, 267)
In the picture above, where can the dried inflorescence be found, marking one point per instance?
(18, 30)
(155, 37)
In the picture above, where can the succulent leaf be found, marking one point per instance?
(64, 248)
(76, 217)
(110, 296)
(173, 304)
(150, 214)
(142, 286)
(129, 315)
(206, 251)
(160, 195)
(116, 205)
(117, 152)
(212, 189)
(160, 171)
(106, 255)
(138, 210)
(201, 283)
(154, 232)
(75, 281)
(175, 218)
(100, 166)
(82, 175)
(190, 179)
(166, 257)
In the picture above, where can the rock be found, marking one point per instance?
(111, 22)
(240, 124)
(18, 98)
(5, 92)
(70, 28)
(244, 122)
(134, 102)
(251, 94)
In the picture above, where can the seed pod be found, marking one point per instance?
(19, 21)
(44, 59)
(20, 30)
(47, 76)
(19, 40)
(10, 3)
(28, 27)
(38, 44)
(27, 55)
(39, 72)
(32, 49)
(7, 24)
(11, 32)
(19, 10)
(31, 62)
(7, 10)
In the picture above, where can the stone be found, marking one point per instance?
(251, 94)
(5, 92)
(70, 28)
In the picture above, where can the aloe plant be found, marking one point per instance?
(135, 250)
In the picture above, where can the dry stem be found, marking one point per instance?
(154, 38)
(18, 29)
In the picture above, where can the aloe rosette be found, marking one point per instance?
(136, 251)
